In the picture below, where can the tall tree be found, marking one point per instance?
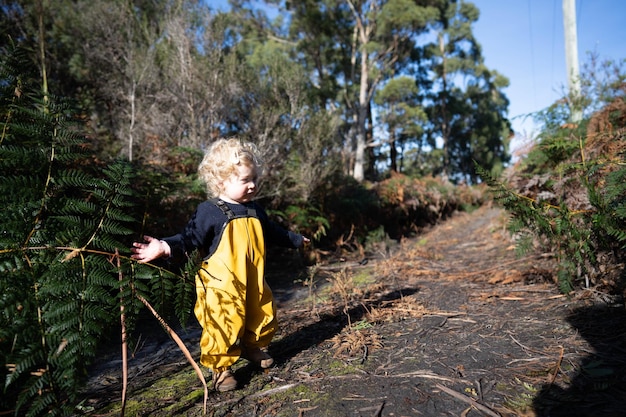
(279, 113)
(401, 112)
(484, 134)
(151, 75)
(466, 100)
(378, 37)
(118, 58)
(201, 75)
(30, 24)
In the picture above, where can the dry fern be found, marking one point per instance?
(355, 343)
(398, 310)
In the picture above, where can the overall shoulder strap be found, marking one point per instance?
(225, 209)
(251, 212)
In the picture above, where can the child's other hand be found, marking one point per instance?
(153, 249)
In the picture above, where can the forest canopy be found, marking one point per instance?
(356, 88)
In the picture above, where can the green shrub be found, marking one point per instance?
(569, 192)
(65, 229)
(577, 235)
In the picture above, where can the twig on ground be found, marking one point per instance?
(124, 335)
(182, 347)
(379, 412)
(526, 348)
(273, 390)
(533, 359)
(301, 411)
(479, 389)
(558, 366)
(427, 375)
(480, 407)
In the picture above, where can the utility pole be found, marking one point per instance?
(571, 58)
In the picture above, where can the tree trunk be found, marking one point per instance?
(445, 137)
(131, 123)
(393, 153)
(359, 157)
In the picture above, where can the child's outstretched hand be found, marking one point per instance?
(153, 249)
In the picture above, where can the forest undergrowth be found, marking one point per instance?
(450, 321)
(69, 218)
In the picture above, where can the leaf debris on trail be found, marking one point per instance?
(448, 323)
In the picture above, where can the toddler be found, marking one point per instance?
(234, 304)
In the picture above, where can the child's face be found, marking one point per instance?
(240, 186)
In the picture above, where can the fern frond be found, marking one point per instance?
(40, 397)
(26, 362)
(72, 178)
(59, 283)
(566, 232)
(185, 295)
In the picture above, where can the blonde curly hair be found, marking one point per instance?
(222, 158)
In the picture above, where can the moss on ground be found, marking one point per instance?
(169, 396)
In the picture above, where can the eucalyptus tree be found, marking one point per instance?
(466, 106)
(202, 75)
(278, 111)
(31, 25)
(350, 47)
(116, 55)
(485, 136)
(100, 52)
(401, 113)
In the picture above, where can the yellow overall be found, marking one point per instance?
(234, 304)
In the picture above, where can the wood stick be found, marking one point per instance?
(379, 411)
(558, 366)
(301, 411)
(484, 409)
(182, 347)
(124, 336)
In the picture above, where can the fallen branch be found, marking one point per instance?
(124, 335)
(558, 366)
(379, 411)
(301, 411)
(182, 347)
(273, 391)
(526, 348)
(426, 375)
(478, 406)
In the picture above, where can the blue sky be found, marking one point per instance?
(523, 40)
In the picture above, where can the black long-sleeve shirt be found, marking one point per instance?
(203, 230)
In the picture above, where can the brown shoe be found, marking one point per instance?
(224, 381)
(258, 356)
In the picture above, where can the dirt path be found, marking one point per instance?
(450, 323)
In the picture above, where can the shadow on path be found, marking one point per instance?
(328, 326)
(599, 386)
(325, 328)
